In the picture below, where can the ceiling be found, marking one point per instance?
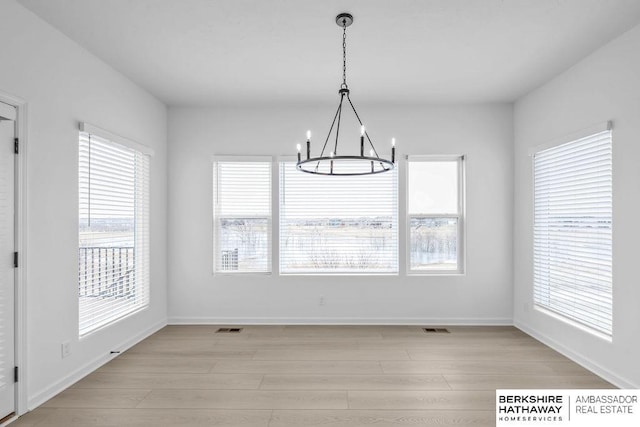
(270, 52)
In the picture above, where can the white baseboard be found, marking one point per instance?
(338, 321)
(39, 398)
(580, 359)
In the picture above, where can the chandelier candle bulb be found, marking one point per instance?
(298, 147)
(393, 150)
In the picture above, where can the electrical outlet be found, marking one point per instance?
(321, 300)
(66, 349)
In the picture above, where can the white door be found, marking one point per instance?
(7, 269)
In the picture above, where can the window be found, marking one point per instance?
(435, 214)
(572, 230)
(113, 257)
(242, 215)
(337, 224)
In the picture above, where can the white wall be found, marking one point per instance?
(63, 84)
(484, 295)
(604, 86)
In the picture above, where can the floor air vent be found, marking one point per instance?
(435, 330)
(229, 331)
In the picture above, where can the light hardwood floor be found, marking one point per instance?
(331, 376)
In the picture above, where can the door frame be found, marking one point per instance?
(20, 212)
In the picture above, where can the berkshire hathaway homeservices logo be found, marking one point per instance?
(531, 407)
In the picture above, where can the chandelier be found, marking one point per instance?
(329, 162)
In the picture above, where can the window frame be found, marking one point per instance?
(397, 272)
(568, 318)
(460, 159)
(142, 227)
(214, 218)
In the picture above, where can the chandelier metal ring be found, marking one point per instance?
(362, 163)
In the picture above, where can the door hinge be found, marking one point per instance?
(15, 260)
(16, 145)
(15, 374)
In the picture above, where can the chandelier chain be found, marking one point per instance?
(344, 53)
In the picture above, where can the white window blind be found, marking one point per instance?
(435, 214)
(242, 215)
(572, 230)
(338, 224)
(113, 258)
